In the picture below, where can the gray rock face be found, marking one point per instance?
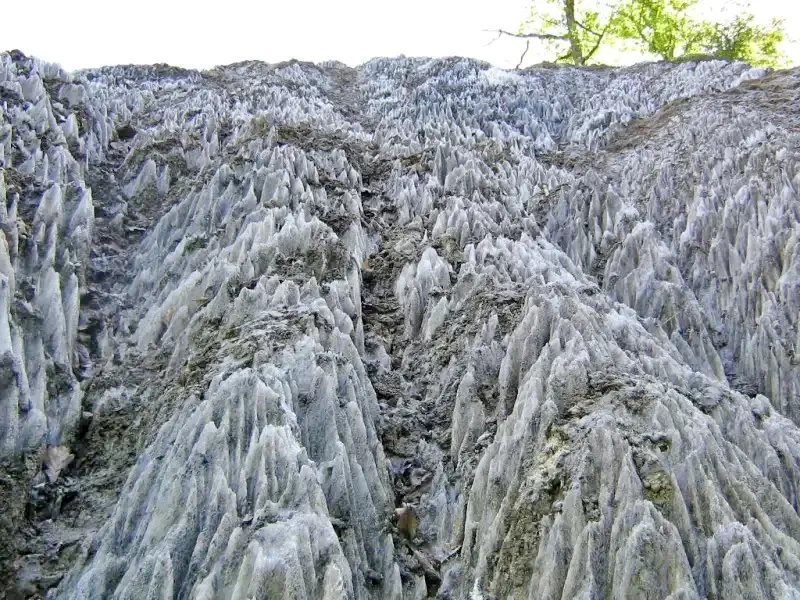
(423, 328)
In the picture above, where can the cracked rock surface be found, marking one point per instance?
(420, 329)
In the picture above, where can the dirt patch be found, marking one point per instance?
(640, 131)
(16, 474)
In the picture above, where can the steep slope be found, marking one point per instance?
(423, 328)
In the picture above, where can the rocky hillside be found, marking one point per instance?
(421, 329)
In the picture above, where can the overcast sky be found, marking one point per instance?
(202, 34)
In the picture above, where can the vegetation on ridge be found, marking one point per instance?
(576, 31)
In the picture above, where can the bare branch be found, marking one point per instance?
(524, 52)
(529, 36)
(495, 39)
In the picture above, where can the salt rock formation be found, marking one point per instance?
(424, 328)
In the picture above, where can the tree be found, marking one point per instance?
(666, 28)
(574, 30)
(661, 26)
(744, 40)
(571, 31)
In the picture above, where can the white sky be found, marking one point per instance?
(202, 33)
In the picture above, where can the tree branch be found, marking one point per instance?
(585, 28)
(524, 52)
(599, 40)
(495, 39)
(528, 36)
(564, 57)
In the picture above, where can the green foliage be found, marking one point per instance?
(744, 40)
(576, 29)
(662, 26)
(666, 28)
